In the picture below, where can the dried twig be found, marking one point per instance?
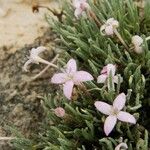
(7, 138)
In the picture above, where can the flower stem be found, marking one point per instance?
(7, 138)
(94, 89)
(46, 62)
(121, 39)
(44, 70)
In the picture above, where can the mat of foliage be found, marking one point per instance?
(82, 127)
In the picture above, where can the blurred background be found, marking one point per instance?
(18, 24)
(22, 27)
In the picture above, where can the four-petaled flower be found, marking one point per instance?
(71, 77)
(114, 112)
(137, 41)
(109, 27)
(121, 145)
(80, 7)
(59, 112)
(108, 71)
(35, 58)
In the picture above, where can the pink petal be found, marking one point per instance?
(104, 70)
(82, 76)
(102, 78)
(121, 145)
(110, 21)
(25, 67)
(109, 30)
(126, 117)
(59, 78)
(119, 101)
(109, 124)
(76, 3)
(68, 88)
(71, 66)
(103, 107)
(78, 12)
(37, 51)
(115, 79)
(111, 68)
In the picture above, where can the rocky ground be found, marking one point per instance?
(20, 100)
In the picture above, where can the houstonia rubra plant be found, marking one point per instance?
(114, 112)
(104, 36)
(71, 77)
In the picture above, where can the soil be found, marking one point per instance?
(20, 100)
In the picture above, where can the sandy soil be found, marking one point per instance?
(20, 101)
(18, 24)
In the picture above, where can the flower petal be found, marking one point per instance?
(68, 88)
(103, 107)
(58, 78)
(110, 21)
(109, 30)
(126, 117)
(78, 12)
(37, 51)
(82, 76)
(26, 65)
(111, 68)
(102, 78)
(121, 145)
(115, 79)
(119, 101)
(71, 66)
(109, 124)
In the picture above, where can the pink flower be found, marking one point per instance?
(106, 72)
(35, 58)
(109, 27)
(71, 77)
(80, 7)
(114, 112)
(59, 112)
(121, 145)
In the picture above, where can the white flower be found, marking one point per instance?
(121, 146)
(35, 58)
(109, 27)
(80, 7)
(137, 41)
(114, 112)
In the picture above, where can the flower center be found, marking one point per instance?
(115, 111)
(69, 77)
